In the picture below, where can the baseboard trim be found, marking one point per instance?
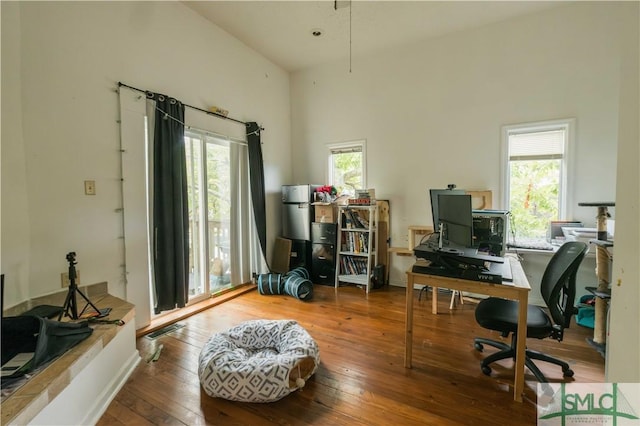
(186, 312)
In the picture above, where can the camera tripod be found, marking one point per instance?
(70, 307)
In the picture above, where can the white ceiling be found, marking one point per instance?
(281, 30)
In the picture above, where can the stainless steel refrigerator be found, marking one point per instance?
(297, 211)
(297, 215)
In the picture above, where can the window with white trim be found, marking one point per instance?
(535, 179)
(347, 166)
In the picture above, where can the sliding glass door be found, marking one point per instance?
(209, 185)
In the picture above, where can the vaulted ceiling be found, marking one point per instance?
(282, 31)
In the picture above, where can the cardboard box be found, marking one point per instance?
(326, 212)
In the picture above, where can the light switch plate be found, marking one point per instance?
(90, 187)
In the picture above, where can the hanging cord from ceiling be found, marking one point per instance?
(335, 7)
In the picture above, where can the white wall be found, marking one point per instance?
(15, 213)
(64, 60)
(623, 356)
(431, 112)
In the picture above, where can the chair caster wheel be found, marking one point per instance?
(486, 370)
(478, 347)
(568, 373)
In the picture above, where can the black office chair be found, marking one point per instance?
(558, 288)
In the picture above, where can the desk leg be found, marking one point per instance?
(408, 338)
(521, 347)
(434, 300)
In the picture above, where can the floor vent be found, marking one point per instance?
(165, 330)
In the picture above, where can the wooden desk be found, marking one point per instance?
(518, 290)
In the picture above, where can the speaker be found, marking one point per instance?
(378, 279)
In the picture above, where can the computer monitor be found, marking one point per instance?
(455, 215)
(433, 194)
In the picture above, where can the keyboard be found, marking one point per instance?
(531, 245)
(490, 272)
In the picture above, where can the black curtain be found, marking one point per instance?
(256, 176)
(170, 205)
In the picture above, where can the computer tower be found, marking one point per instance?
(490, 230)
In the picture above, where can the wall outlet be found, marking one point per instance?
(64, 279)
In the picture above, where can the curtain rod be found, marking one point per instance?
(209, 133)
(120, 84)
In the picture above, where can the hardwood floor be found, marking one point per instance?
(361, 379)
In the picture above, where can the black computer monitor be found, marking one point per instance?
(433, 194)
(455, 215)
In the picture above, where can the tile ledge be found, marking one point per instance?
(31, 398)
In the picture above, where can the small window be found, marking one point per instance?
(347, 166)
(536, 176)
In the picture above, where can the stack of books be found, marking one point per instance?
(363, 197)
(355, 219)
(355, 242)
(353, 266)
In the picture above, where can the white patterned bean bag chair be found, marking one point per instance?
(258, 361)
